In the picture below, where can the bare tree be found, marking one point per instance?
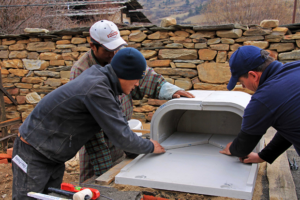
(248, 11)
(15, 15)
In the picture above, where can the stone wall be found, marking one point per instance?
(191, 57)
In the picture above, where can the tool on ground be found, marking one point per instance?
(43, 196)
(291, 164)
(72, 188)
(62, 192)
(295, 164)
(93, 185)
(85, 194)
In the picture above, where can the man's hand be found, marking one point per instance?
(182, 93)
(252, 158)
(157, 147)
(226, 150)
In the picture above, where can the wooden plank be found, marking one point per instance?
(10, 122)
(8, 95)
(109, 176)
(146, 125)
(9, 136)
(2, 110)
(281, 184)
(141, 130)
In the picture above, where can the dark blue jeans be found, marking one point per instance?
(41, 172)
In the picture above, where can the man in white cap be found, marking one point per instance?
(64, 120)
(275, 103)
(105, 42)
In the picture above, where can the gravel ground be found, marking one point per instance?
(291, 153)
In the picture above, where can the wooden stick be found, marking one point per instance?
(8, 95)
(141, 130)
(109, 176)
(9, 136)
(10, 122)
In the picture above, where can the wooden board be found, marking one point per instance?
(109, 176)
(8, 95)
(10, 122)
(281, 184)
(8, 136)
(146, 126)
(2, 110)
(141, 131)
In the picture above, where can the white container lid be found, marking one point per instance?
(135, 124)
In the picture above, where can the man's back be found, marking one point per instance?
(276, 103)
(63, 115)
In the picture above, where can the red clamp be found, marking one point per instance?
(74, 188)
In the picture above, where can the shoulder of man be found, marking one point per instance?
(85, 62)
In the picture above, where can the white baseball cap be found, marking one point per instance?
(107, 34)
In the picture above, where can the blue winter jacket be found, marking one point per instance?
(276, 103)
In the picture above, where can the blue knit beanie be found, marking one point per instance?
(129, 64)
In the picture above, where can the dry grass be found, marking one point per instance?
(13, 20)
(197, 19)
(249, 12)
(232, 11)
(179, 15)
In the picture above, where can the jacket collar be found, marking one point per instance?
(112, 77)
(271, 70)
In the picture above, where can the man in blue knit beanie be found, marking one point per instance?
(99, 154)
(68, 117)
(130, 66)
(275, 103)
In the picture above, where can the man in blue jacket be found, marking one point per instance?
(68, 117)
(276, 103)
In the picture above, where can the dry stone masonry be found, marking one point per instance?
(191, 57)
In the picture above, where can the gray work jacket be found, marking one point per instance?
(65, 119)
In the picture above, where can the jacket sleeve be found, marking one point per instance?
(256, 120)
(243, 144)
(167, 91)
(150, 85)
(107, 112)
(275, 148)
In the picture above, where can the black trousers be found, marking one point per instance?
(34, 172)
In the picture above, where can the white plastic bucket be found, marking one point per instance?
(135, 124)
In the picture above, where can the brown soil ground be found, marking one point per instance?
(5, 181)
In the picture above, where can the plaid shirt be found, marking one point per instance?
(101, 154)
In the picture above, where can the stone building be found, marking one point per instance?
(119, 11)
(191, 57)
